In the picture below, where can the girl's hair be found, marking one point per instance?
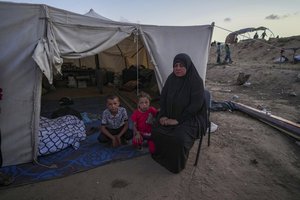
(144, 94)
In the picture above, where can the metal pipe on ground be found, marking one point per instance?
(284, 125)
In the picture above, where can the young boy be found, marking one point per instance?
(114, 124)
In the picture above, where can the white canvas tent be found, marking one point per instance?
(92, 13)
(35, 38)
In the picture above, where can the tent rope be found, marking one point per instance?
(136, 38)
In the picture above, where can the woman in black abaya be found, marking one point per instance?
(182, 117)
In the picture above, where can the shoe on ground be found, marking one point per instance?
(140, 148)
(124, 141)
(213, 127)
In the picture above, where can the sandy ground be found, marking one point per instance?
(247, 159)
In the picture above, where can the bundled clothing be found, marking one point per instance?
(182, 98)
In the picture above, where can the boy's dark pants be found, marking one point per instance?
(126, 136)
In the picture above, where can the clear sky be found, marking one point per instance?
(282, 17)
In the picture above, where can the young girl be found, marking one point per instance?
(142, 118)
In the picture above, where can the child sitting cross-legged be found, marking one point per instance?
(142, 119)
(114, 124)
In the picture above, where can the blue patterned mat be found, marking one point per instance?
(91, 154)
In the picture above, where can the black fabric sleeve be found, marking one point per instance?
(197, 101)
(163, 100)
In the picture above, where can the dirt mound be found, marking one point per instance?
(244, 150)
(276, 85)
(260, 51)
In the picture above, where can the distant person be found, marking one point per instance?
(227, 54)
(236, 39)
(283, 58)
(255, 36)
(263, 35)
(142, 119)
(281, 52)
(219, 53)
(114, 124)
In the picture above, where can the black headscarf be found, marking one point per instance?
(182, 98)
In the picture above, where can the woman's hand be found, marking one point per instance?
(171, 122)
(168, 122)
(162, 120)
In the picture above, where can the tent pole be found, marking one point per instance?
(97, 61)
(138, 51)
(125, 61)
(158, 75)
(98, 75)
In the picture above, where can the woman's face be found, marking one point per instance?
(179, 69)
